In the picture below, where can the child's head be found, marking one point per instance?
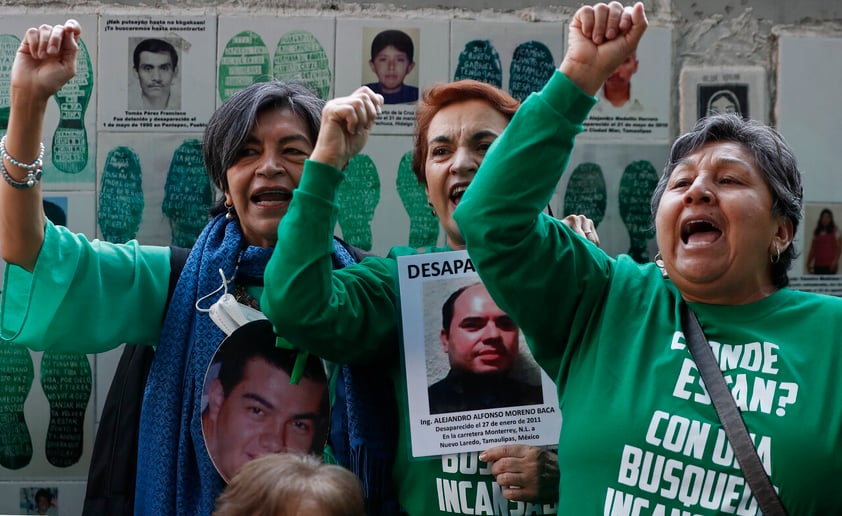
(392, 59)
(289, 484)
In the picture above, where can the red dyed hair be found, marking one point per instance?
(441, 95)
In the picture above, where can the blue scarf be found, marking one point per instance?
(364, 426)
(175, 475)
(174, 472)
(364, 433)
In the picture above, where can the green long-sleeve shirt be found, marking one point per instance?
(639, 434)
(86, 297)
(352, 316)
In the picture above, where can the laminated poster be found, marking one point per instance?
(156, 73)
(471, 381)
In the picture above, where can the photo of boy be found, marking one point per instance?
(392, 60)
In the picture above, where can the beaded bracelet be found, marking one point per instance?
(37, 164)
(32, 177)
(33, 170)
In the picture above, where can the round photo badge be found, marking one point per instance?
(251, 408)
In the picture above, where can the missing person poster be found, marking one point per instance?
(722, 89)
(156, 73)
(634, 102)
(472, 382)
(395, 58)
(253, 403)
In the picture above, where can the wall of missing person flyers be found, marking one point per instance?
(123, 148)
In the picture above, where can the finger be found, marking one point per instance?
(600, 21)
(585, 18)
(615, 13)
(29, 43)
(371, 108)
(350, 113)
(499, 452)
(518, 494)
(39, 50)
(580, 224)
(378, 102)
(363, 89)
(352, 119)
(337, 111)
(366, 112)
(626, 20)
(509, 479)
(591, 234)
(574, 222)
(73, 26)
(56, 40)
(639, 24)
(72, 34)
(587, 227)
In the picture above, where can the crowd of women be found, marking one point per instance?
(639, 429)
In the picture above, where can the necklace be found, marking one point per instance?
(242, 295)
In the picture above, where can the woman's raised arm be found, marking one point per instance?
(45, 61)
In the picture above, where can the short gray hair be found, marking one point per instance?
(774, 158)
(231, 124)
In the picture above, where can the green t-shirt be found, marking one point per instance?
(351, 316)
(640, 435)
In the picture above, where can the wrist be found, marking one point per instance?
(328, 158)
(583, 76)
(24, 98)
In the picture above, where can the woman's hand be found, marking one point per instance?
(582, 226)
(346, 123)
(46, 60)
(526, 473)
(599, 40)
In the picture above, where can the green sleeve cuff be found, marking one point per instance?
(567, 98)
(320, 180)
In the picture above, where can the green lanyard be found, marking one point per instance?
(300, 360)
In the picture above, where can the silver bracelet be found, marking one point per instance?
(32, 177)
(35, 165)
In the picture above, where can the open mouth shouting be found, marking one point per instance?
(271, 197)
(456, 193)
(699, 233)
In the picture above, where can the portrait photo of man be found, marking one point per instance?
(392, 60)
(617, 90)
(153, 82)
(253, 409)
(482, 345)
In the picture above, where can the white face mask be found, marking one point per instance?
(227, 313)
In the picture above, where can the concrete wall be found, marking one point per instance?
(717, 33)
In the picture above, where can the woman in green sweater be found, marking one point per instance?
(351, 316)
(640, 433)
(64, 293)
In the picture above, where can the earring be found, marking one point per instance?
(659, 261)
(432, 209)
(230, 207)
(777, 256)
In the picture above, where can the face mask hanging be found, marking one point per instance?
(227, 313)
